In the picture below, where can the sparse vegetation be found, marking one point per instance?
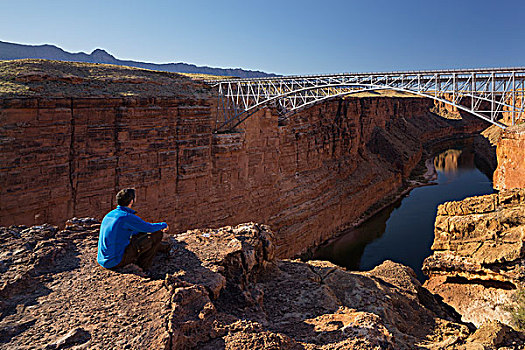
(198, 76)
(383, 93)
(518, 310)
(34, 77)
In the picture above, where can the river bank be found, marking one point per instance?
(347, 248)
(477, 253)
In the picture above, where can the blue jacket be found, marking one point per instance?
(115, 231)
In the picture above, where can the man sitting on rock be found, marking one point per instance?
(125, 238)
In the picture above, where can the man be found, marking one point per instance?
(125, 238)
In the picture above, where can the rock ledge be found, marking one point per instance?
(215, 289)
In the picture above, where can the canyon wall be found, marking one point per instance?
(69, 156)
(307, 177)
(478, 250)
(510, 172)
(477, 263)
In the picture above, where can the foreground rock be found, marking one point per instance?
(216, 289)
(478, 262)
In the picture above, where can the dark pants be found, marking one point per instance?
(141, 249)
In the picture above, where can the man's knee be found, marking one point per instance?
(157, 236)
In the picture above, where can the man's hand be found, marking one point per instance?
(166, 230)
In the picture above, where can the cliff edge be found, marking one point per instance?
(55, 79)
(478, 260)
(478, 263)
(216, 289)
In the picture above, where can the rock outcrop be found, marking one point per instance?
(479, 257)
(510, 172)
(73, 134)
(216, 289)
(478, 263)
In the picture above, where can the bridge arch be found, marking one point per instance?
(248, 112)
(501, 89)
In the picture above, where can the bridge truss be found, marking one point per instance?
(485, 93)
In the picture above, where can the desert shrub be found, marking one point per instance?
(518, 310)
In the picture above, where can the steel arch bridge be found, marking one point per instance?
(485, 93)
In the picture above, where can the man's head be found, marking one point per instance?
(126, 196)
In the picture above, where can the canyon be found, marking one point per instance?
(73, 135)
(478, 256)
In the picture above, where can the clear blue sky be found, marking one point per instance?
(285, 37)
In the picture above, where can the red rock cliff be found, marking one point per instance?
(478, 258)
(478, 251)
(510, 172)
(308, 178)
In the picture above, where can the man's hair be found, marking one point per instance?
(125, 196)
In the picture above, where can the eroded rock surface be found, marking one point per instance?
(479, 257)
(511, 159)
(72, 134)
(51, 285)
(215, 289)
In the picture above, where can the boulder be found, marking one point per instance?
(479, 257)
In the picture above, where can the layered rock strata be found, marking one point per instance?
(510, 172)
(82, 132)
(216, 289)
(478, 260)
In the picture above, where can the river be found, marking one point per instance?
(404, 231)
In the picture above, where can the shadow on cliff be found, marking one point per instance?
(314, 303)
(325, 305)
(52, 259)
(188, 267)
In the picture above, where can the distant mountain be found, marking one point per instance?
(11, 51)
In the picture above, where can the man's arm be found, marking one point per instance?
(137, 224)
